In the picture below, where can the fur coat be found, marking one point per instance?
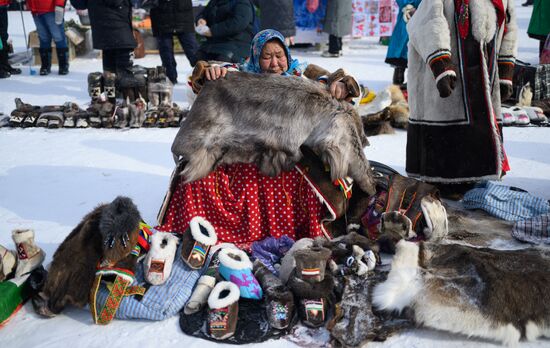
(457, 138)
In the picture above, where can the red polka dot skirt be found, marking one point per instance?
(244, 205)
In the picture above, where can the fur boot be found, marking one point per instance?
(288, 263)
(278, 298)
(197, 240)
(235, 266)
(8, 262)
(95, 85)
(311, 263)
(137, 112)
(224, 310)
(109, 83)
(157, 265)
(105, 236)
(313, 299)
(29, 255)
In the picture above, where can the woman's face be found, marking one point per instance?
(273, 58)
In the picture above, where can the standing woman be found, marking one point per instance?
(48, 18)
(539, 25)
(174, 18)
(397, 50)
(278, 15)
(337, 24)
(111, 22)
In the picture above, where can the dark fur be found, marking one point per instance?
(305, 290)
(263, 119)
(74, 264)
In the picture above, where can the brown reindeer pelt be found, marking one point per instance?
(106, 235)
(495, 294)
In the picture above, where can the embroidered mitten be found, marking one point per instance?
(29, 255)
(311, 263)
(196, 242)
(224, 310)
(444, 73)
(279, 299)
(235, 266)
(8, 262)
(200, 294)
(313, 298)
(158, 262)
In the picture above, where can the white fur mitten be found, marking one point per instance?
(158, 262)
(436, 219)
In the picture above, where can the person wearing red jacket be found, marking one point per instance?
(6, 70)
(48, 18)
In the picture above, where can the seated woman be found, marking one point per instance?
(242, 204)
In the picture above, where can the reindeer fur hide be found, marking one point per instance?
(263, 119)
(495, 294)
(108, 235)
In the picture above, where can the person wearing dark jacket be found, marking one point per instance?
(111, 22)
(48, 18)
(228, 28)
(6, 70)
(278, 15)
(174, 18)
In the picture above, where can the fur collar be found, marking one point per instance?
(483, 20)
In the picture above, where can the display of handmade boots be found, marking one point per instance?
(200, 294)
(63, 60)
(29, 255)
(157, 265)
(8, 261)
(224, 310)
(278, 298)
(45, 60)
(95, 85)
(235, 266)
(196, 242)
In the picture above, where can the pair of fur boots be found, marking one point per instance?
(26, 257)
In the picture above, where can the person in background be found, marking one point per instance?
(228, 28)
(539, 25)
(174, 18)
(6, 70)
(397, 50)
(48, 18)
(337, 24)
(111, 22)
(278, 15)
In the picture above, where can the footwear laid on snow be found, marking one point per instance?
(158, 262)
(196, 242)
(278, 298)
(536, 115)
(508, 117)
(200, 294)
(224, 310)
(235, 266)
(8, 262)
(29, 255)
(312, 298)
(520, 116)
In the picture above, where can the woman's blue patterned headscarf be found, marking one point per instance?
(253, 63)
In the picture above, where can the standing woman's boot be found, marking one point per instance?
(398, 75)
(46, 60)
(63, 60)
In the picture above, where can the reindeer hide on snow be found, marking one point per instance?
(264, 119)
(494, 294)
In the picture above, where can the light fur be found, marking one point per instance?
(196, 231)
(234, 259)
(214, 300)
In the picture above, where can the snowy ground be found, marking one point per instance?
(49, 179)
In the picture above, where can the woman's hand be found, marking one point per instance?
(201, 22)
(215, 72)
(339, 90)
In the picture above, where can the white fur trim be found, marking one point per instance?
(230, 262)
(353, 227)
(435, 216)
(22, 235)
(214, 300)
(370, 259)
(443, 74)
(506, 82)
(164, 254)
(403, 283)
(483, 20)
(197, 234)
